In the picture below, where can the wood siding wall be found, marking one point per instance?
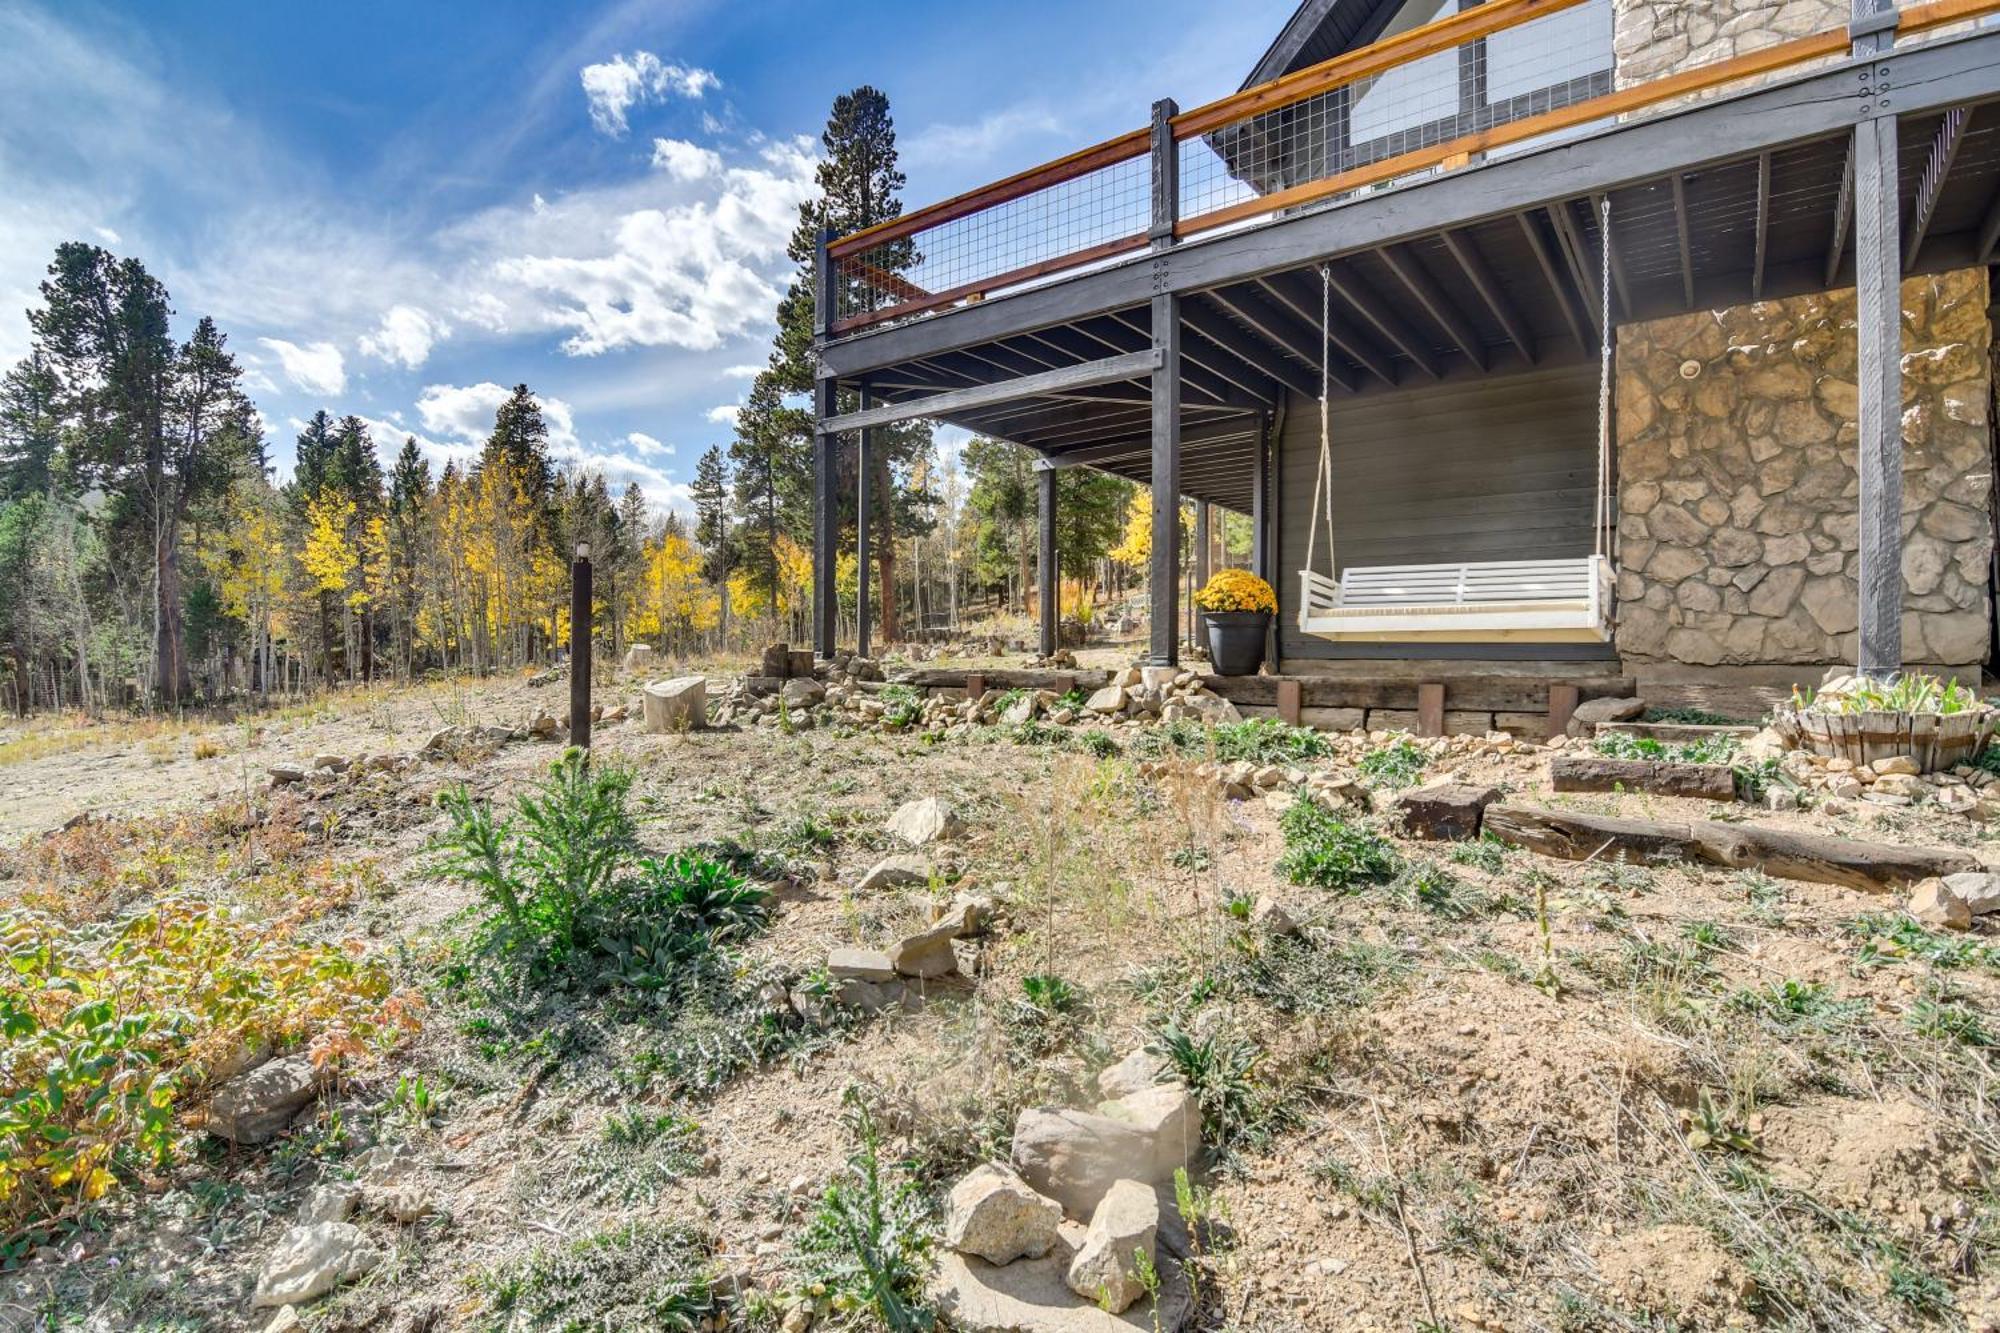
(1496, 468)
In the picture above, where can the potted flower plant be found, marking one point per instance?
(1938, 723)
(1239, 606)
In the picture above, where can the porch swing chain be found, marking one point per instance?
(1603, 498)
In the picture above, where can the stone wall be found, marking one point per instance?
(1737, 485)
(1651, 38)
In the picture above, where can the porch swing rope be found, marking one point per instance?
(1323, 479)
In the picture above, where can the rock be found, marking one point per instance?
(1110, 699)
(925, 821)
(1445, 812)
(1590, 712)
(862, 996)
(404, 1201)
(311, 1261)
(252, 1108)
(969, 914)
(1170, 1118)
(1135, 1073)
(330, 1203)
(1125, 1226)
(285, 774)
(438, 741)
(802, 692)
(543, 726)
(1031, 1296)
(1905, 785)
(992, 1213)
(331, 763)
(285, 1321)
(1021, 710)
(1934, 904)
(680, 704)
(1270, 916)
(860, 965)
(895, 872)
(1896, 765)
(1956, 800)
(1979, 890)
(1780, 800)
(927, 954)
(1074, 1157)
(1213, 709)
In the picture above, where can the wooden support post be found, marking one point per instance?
(1291, 702)
(1048, 583)
(1430, 709)
(1260, 504)
(1563, 700)
(975, 686)
(863, 460)
(826, 527)
(579, 647)
(1879, 339)
(1204, 555)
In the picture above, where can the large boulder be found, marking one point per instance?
(311, 1261)
(992, 1213)
(680, 704)
(1170, 1118)
(1074, 1156)
(802, 692)
(1584, 721)
(252, 1108)
(1125, 1227)
(925, 821)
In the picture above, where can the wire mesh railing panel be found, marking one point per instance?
(1500, 78)
(1059, 225)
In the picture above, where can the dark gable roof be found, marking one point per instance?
(1321, 30)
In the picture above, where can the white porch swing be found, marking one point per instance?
(1509, 601)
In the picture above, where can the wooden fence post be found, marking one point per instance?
(1563, 700)
(579, 647)
(1291, 702)
(1430, 709)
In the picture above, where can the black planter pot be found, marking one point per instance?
(1236, 641)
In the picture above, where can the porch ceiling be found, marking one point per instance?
(1488, 295)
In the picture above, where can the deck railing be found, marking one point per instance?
(1495, 77)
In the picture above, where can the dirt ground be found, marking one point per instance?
(1486, 1092)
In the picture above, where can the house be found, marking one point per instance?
(1577, 342)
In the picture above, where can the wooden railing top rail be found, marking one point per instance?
(1390, 53)
(1444, 34)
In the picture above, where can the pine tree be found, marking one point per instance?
(30, 430)
(312, 456)
(772, 455)
(409, 503)
(710, 492)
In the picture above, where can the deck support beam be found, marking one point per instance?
(863, 461)
(1878, 282)
(826, 611)
(1164, 578)
(1048, 580)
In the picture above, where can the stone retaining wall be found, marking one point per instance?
(1737, 485)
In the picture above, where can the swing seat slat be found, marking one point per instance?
(1531, 601)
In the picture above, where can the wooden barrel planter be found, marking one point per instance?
(1934, 740)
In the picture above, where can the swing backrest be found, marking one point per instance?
(1471, 584)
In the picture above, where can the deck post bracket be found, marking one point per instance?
(1878, 288)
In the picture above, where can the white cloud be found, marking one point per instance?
(685, 161)
(690, 274)
(404, 337)
(647, 446)
(315, 367)
(108, 236)
(743, 372)
(948, 144)
(613, 88)
(724, 415)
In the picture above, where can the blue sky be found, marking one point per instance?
(398, 209)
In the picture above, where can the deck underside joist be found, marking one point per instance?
(1486, 270)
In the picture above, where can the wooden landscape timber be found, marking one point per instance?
(1679, 733)
(1659, 777)
(1812, 857)
(1000, 678)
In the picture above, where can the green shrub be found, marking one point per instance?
(1217, 1068)
(640, 1275)
(868, 1244)
(1324, 850)
(103, 1029)
(1625, 745)
(1395, 765)
(902, 706)
(1266, 740)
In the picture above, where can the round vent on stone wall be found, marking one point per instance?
(1690, 370)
